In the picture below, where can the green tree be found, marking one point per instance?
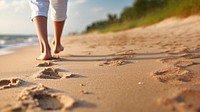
(112, 18)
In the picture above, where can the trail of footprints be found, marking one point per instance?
(187, 100)
(39, 97)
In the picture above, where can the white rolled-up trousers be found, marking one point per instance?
(41, 8)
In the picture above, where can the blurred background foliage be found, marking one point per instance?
(145, 12)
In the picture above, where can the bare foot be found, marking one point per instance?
(57, 48)
(44, 56)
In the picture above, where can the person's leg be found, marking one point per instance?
(58, 15)
(40, 23)
(39, 15)
(58, 28)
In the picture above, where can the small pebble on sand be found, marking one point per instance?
(140, 83)
(82, 85)
(84, 92)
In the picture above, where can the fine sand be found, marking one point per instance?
(151, 69)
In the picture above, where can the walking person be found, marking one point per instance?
(39, 17)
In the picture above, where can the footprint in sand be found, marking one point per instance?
(173, 74)
(120, 58)
(184, 101)
(184, 63)
(176, 51)
(185, 54)
(113, 63)
(9, 83)
(182, 54)
(45, 64)
(39, 98)
(178, 62)
(52, 73)
(190, 55)
(167, 59)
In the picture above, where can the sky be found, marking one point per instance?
(15, 15)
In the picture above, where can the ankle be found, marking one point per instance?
(47, 50)
(58, 45)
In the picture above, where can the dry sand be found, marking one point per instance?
(152, 69)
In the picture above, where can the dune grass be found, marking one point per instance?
(175, 8)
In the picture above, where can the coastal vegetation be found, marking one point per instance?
(144, 13)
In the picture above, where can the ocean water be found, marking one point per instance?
(8, 42)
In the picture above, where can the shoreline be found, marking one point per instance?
(5, 51)
(17, 41)
(12, 50)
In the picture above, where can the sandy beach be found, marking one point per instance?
(151, 69)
